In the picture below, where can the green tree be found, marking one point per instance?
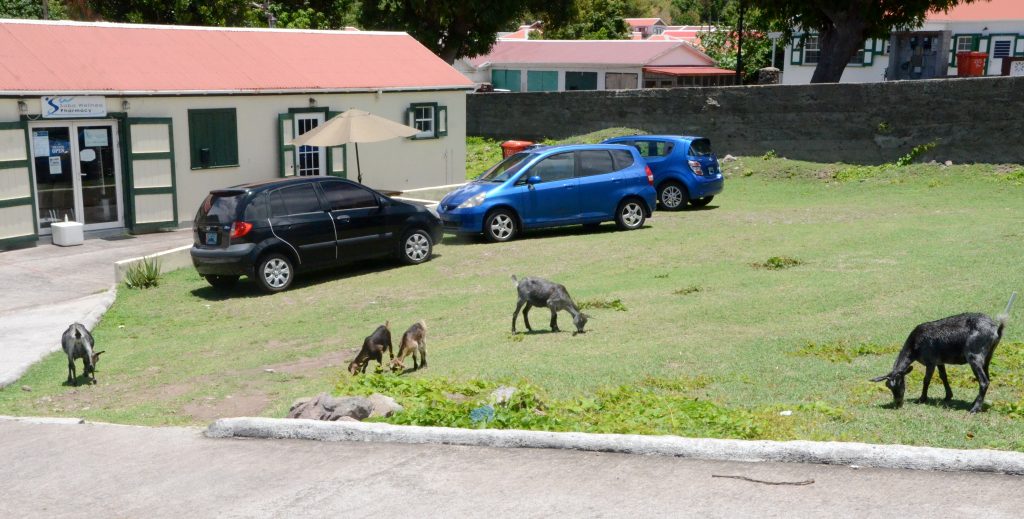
(722, 43)
(593, 20)
(693, 12)
(455, 28)
(32, 9)
(844, 25)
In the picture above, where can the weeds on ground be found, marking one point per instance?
(862, 173)
(692, 289)
(598, 136)
(654, 406)
(1015, 177)
(614, 304)
(842, 350)
(914, 153)
(777, 263)
(769, 155)
(144, 274)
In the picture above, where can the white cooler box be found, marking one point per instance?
(68, 233)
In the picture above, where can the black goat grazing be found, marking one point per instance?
(373, 349)
(78, 344)
(960, 339)
(546, 294)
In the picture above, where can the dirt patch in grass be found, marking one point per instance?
(692, 289)
(251, 403)
(777, 263)
(310, 365)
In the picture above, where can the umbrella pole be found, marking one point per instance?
(359, 171)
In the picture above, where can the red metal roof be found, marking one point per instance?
(592, 52)
(71, 57)
(689, 71)
(982, 11)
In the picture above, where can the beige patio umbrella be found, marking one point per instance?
(354, 126)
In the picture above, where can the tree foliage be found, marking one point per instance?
(593, 20)
(32, 9)
(844, 25)
(455, 28)
(721, 44)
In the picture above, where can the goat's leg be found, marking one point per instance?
(928, 371)
(978, 366)
(423, 353)
(515, 316)
(945, 382)
(554, 320)
(71, 372)
(526, 316)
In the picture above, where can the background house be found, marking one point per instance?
(995, 28)
(117, 125)
(560, 65)
(647, 27)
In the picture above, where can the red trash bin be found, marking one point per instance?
(509, 148)
(978, 63)
(963, 64)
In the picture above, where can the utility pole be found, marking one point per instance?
(46, 9)
(739, 45)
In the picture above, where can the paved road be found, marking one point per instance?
(46, 288)
(56, 470)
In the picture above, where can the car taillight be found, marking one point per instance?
(650, 175)
(695, 166)
(239, 229)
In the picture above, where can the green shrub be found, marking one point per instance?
(143, 274)
(914, 153)
(614, 304)
(777, 263)
(769, 155)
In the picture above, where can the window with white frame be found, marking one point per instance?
(812, 49)
(964, 43)
(430, 119)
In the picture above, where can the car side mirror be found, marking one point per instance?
(533, 179)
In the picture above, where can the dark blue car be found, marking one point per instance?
(685, 169)
(550, 186)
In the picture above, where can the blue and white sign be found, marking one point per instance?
(56, 107)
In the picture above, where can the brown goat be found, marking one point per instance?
(414, 341)
(373, 349)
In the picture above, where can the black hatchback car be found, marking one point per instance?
(270, 230)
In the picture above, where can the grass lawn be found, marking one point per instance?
(699, 332)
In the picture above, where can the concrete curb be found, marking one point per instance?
(829, 453)
(43, 420)
(172, 259)
(92, 318)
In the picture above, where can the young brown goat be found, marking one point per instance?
(414, 341)
(373, 349)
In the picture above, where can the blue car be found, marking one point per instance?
(549, 186)
(685, 169)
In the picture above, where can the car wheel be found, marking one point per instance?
(500, 225)
(672, 196)
(416, 247)
(222, 281)
(701, 202)
(630, 215)
(275, 272)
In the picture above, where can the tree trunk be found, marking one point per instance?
(839, 42)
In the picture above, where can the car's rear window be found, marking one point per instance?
(299, 199)
(700, 148)
(219, 208)
(652, 148)
(595, 162)
(623, 159)
(258, 208)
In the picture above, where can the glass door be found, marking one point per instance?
(99, 175)
(312, 160)
(55, 176)
(77, 173)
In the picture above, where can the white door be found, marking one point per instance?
(77, 171)
(309, 160)
(1002, 47)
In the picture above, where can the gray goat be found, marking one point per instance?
(78, 344)
(961, 339)
(546, 294)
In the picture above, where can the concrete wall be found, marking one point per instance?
(974, 120)
(397, 164)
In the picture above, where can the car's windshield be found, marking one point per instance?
(506, 169)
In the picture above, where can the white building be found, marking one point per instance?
(995, 28)
(130, 126)
(560, 65)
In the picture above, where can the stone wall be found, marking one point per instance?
(973, 119)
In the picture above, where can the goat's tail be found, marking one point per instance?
(1005, 316)
(515, 280)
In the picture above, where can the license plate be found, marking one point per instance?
(211, 238)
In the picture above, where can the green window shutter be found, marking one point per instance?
(213, 138)
(286, 155)
(541, 81)
(337, 156)
(441, 121)
(507, 79)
